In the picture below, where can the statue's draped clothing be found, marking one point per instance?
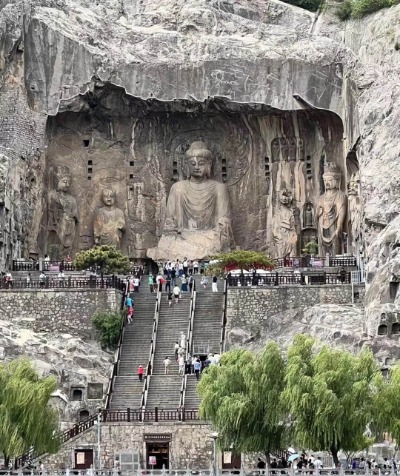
(63, 216)
(108, 224)
(197, 221)
(332, 209)
(196, 206)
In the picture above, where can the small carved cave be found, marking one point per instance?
(83, 415)
(106, 147)
(382, 330)
(396, 328)
(76, 394)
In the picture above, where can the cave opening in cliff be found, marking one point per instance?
(106, 139)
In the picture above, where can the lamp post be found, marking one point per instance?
(214, 436)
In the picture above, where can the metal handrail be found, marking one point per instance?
(188, 342)
(149, 369)
(223, 318)
(117, 354)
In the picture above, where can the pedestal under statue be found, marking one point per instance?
(331, 213)
(198, 217)
(109, 221)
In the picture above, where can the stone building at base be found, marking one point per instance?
(131, 446)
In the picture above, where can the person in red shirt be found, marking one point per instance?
(140, 372)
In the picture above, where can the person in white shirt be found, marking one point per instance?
(136, 284)
(177, 293)
(61, 278)
(167, 363)
(181, 363)
(317, 463)
(195, 267)
(183, 340)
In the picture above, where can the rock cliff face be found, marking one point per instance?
(109, 94)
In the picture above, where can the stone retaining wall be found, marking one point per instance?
(62, 311)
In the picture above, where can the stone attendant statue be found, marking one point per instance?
(109, 221)
(354, 212)
(331, 213)
(198, 217)
(63, 210)
(284, 226)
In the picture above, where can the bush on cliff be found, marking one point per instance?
(108, 326)
(360, 8)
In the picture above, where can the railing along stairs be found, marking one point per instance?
(189, 340)
(223, 318)
(117, 355)
(149, 369)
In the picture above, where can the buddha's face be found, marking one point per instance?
(199, 167)
(330, 182)
(64, 183)
(108, 197)
(285, 197)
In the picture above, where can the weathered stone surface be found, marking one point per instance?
(73, 361)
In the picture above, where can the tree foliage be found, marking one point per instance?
(316, 397)
(107, 259)
(239, 259)
(332, 395)
(242, 399)
(360, 8)
(26, 419)
(108, 325)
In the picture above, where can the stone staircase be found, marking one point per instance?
(207, 319)
(192, 399)
(164, 390)
(135, 350)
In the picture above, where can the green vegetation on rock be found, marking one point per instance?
(108, 325)
(315, 396)
(106, 259)
(360, 8)
(26, 419)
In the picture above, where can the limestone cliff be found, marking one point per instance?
(115, 90)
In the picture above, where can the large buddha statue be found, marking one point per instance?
(109, 221)
(198, 218)
(331, 213)
(62, 210)
(285, 230)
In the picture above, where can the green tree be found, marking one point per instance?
(331, 395)
(241, 397)
(26, 419)
(107, 259)
(108, 324)
(239, 259)
(388, 402)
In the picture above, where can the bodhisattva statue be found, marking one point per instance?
(285, 234)
(198, 217)
(355, 212)
(109, 221)
(331, 213)
(63, 210)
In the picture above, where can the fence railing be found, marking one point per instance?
(119, 471)
(43, 265)
(280, 279)
(315, 262)
(63, 283)
(156, 415)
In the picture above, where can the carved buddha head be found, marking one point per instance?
(108, 197)
(331, 176)
(285, 197)
(199, 160)
(63, 178)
